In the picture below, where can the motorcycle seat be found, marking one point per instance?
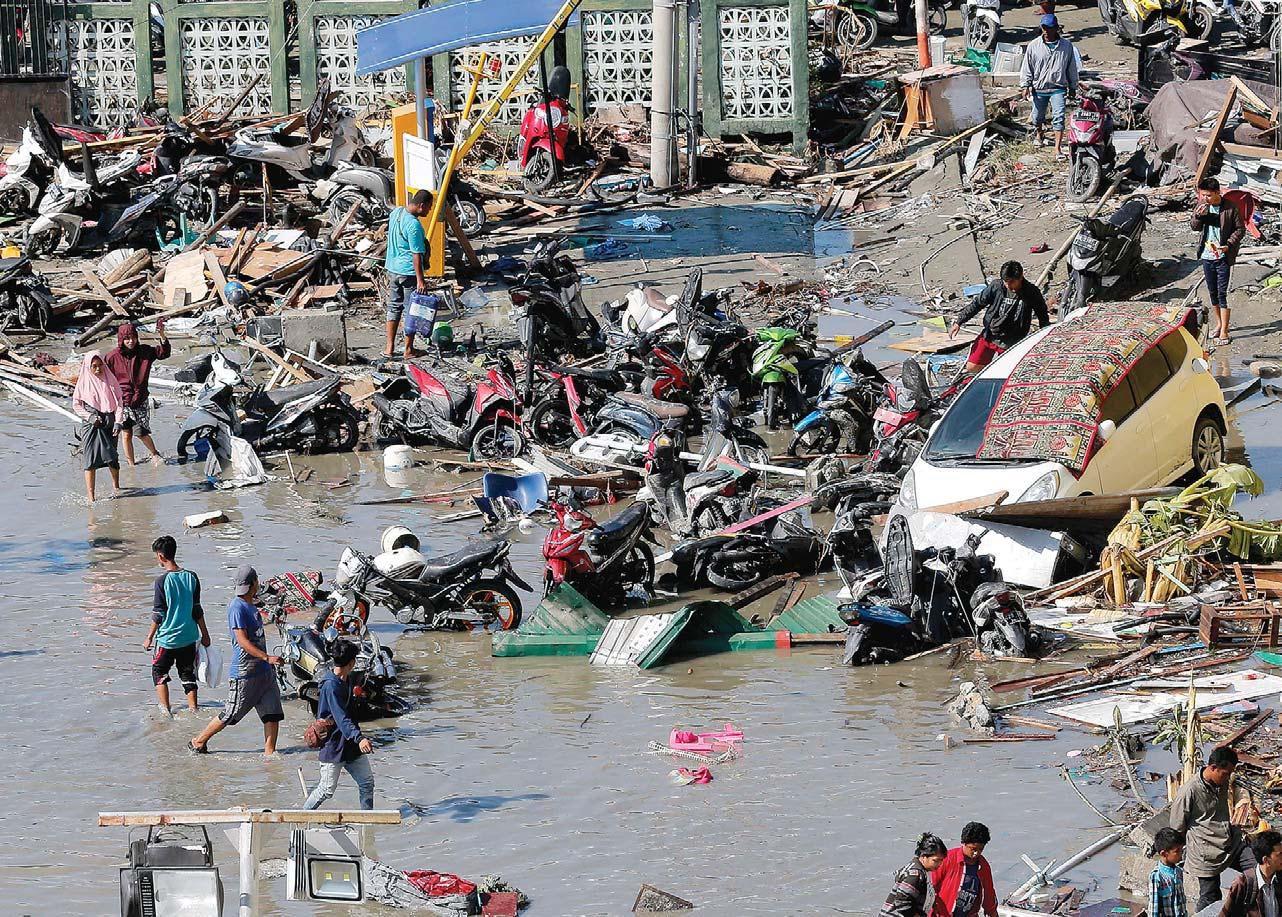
(1129, 214)
(662, 409)
(708, 478)
(624, 521)
(459, 394)
(607, 376)
(447, 563)
(282, 396)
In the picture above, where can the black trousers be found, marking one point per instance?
(1208, 887)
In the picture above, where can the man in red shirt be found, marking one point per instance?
(964, 881)
(131, 363)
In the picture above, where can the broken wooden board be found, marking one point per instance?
(185, 271)
(932, 342)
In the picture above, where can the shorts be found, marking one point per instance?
(399, 286)
(260, 693)
(1057, 100)
(166, 657)
(983, 352)
(138, 419)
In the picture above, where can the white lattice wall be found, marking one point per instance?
(617, 48)
(756, 62)
(104, 68)
(336, 59)
(510, 53)
(221, 56)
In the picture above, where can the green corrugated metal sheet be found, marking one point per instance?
(564, 624)
(697, 629)
(817, 615)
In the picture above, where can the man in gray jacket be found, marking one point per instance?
(1201, 811)
(1049, 75)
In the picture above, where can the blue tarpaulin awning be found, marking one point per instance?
(449, 27)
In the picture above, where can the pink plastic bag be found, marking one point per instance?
(728, 737)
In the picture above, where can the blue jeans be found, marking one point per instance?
(1217, 281)
(1057, 99)
(361, 772)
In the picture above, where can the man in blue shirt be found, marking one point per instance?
(177, 625)
(346, 748)
(405, 262)
(253, 673)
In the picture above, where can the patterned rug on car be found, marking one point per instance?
(1049, 406)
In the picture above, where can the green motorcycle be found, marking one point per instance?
(775, 368)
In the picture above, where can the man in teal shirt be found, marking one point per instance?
(177, 625)
(406, 259)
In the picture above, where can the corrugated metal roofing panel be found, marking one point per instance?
(815, 615)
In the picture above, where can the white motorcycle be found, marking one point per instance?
(72, 199)
(981, 23)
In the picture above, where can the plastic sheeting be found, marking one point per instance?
(1179, 109)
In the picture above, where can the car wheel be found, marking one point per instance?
(1208, 445)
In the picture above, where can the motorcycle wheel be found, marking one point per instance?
(815, 441)
(309, 693)
(538, 172)
(550, 423)
(343, 201)
(336, 431)
(856, 32)
(1084, 179)
(471, 216)
(981, 34)
(938, 20)
(1201, 22)
(13, 200)
(494, 600)
(738, 575)
(773, 405)
(497, 441)
(43, 243)
(637, 570)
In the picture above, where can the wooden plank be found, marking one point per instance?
(452, 223)
(1246, 730)
(968, 506)
(279, 361)
(1205, 162)
(101, 289)
(932, 342)
(216, 272)
(763, 588)
(1251, 152)
(240, 816)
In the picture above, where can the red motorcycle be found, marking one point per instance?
(1090, 146)
(903, 420)
(424, 405)
(604, 562)
(545, 134)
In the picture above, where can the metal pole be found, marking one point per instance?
(248, 869)
(661, 140)
(693, 57)
(923, 33)
(1076, 859)
(420, 98)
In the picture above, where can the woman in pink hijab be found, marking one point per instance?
(99, 401)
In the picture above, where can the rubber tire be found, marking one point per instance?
(349, 437)
(1206, 426)
(538, 174)
(471, 216)
(986, 31)
(647, 558)
(937, 20)
(734, 582)
(503, 589)
(857, 32)
(550, 407)
(44, 244)
(483, 436)
(1084, 179)
(806, 444)
(772, 398)
(1201, 23)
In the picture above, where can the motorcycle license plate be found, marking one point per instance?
(887, 416)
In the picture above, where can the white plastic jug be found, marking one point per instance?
(398, 458)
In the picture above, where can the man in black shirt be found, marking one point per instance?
(1009, 304)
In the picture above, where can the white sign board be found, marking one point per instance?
(420, 162)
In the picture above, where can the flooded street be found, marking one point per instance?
(534, 769)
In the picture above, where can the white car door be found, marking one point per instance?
(1125, 460)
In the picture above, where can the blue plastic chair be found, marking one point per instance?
(530, 491)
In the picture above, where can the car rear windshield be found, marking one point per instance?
(960, 433)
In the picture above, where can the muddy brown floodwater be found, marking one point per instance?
(531, 768)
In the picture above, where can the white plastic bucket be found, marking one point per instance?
(398, 458)
(938, 50)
